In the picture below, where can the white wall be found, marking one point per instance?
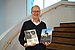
(2, 16)
(11, 12)
(9, 39)
(59, 15)
(15, 12)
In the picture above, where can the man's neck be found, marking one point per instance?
(36, 20)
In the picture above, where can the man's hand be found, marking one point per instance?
(26, 45)
(46, 43)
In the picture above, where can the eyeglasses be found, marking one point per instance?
(35, 11)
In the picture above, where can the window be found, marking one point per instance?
(50, 2)
(45, 3)
(41, 3)
(29, 6)
(72, 0)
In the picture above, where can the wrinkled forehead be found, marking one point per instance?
(36, 8)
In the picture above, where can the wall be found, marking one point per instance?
(9, 39)
(2, 16)
(15, 12)
(59, 15)
(11, 12)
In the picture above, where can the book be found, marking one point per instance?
(31, 36)
(46, 35)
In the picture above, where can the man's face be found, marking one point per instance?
(35, 13)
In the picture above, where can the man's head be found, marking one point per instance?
(35, 11)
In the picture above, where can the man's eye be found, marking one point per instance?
(35, 11)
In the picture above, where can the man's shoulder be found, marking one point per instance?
(27, 21)
(42, 22)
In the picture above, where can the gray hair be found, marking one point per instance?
(35, 6)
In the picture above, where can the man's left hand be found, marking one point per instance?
(46, 43)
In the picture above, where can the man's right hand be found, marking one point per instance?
(26, 45)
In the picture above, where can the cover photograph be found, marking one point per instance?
(31, 36)
(46, 35)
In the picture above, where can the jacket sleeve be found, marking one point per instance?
(22, 35)
(45, 27)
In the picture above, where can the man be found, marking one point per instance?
(38, 25)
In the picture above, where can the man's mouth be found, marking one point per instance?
(35, 14)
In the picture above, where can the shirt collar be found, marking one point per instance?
(37, 22)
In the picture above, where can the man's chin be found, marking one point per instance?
(36, 17)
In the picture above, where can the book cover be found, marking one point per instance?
(46, 35)
(31, 36)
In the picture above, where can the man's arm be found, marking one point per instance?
(22, 36)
